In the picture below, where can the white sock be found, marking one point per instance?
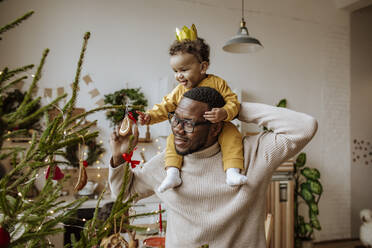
(234, 178)
(172, 179)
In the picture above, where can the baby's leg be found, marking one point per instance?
(173, 164)
(231, 144)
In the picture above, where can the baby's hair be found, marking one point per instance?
(197, 47)
(206, 95)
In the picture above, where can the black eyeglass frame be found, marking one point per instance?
(174, 123)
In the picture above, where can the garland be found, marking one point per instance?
(94, 152)
(132, 97)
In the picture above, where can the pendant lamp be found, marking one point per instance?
(242, 42)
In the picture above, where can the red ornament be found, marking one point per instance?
(4, 238)
(85, 163)
(128, 157)
(131, 116)
(58, 174)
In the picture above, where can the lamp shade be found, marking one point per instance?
(242, 42)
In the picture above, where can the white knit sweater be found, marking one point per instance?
(204, 209)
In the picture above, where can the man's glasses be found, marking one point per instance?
(187, 125)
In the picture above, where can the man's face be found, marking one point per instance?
(188, 71)
(201, 137)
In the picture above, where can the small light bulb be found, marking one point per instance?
(156, 140)
(97, 162)
(159, 147)
(37, 175)
(99, 167)
(100, 141)
(51, 211)
(98, 175)
(85, 153)
(9, 132)
(19, 194)
(8, 139)
(30, 142)
(33, 75)
(84, 219)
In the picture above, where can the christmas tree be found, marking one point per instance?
(27, 221)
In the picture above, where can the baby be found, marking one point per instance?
(189, 59)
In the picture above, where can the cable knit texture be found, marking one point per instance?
(204, 209)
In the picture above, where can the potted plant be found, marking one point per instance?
(308, 191)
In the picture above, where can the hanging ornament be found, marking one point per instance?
(4, 238)
(82, 179)
(126, 126)
(58, 174)
(85, 163)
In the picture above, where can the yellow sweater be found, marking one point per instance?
(169, 103)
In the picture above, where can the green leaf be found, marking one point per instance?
(315, 186)
(282, 103)
(307, 195)
(302, 229)
(313, 207)
(308, 228)
(313, 173)
(314, 221)
(300, 160)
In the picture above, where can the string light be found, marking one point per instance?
(97, 162)
(19, 194)
(100, 141)
(51, 211)
(84, 219)
(156, 140)
(99, 167)
(143, 149)
(9, 132)
(98, 175)
(85, 153)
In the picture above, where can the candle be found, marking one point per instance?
(160, 221)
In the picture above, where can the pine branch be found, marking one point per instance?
(16, 22)
(71, 103)
(12, 83)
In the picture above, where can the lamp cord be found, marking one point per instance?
(242, 9)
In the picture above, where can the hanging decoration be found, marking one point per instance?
(83, 177)
(57, 173)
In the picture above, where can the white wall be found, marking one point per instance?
(361, 118)
(305, 59)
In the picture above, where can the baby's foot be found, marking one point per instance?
(172, 179)
(234, 178)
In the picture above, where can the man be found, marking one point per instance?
(205, 210)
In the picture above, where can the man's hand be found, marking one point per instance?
(120, 144)
(215, 115)
(143, 118)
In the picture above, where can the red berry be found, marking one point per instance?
(4, 238)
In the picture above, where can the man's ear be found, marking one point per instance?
(216, 129)
(204, 67)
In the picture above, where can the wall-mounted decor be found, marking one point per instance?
(361, 151)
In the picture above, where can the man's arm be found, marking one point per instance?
(141, 181)
(290, 132)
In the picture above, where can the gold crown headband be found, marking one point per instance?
(187, 34)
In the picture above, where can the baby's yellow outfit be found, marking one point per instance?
(230, 138)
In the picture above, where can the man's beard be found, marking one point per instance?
(192, 150)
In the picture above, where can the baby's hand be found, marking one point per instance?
(215, 115)
(143, 118)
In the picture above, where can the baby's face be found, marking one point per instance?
(188, 71)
